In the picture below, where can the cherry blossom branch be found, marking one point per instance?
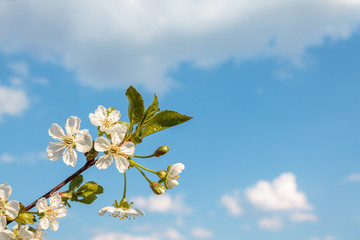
(87, 165)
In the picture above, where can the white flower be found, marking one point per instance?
(173, 175)
(9, 208)
(74, 138)
(22, 234)
(51, 212)
(106, 122)
(2, 223)
(38, 234)
(116, 149)
(121, 213)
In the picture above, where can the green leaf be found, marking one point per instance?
(136, 105)
(163, 120)
(90, 187)
(25, 217)
(76, 182)
(151, 111)
(89, 199)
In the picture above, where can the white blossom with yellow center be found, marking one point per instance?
(8, 208)
(51, 212)
(74, 138)
(122, 213)
(117, 149)
(22, 234)
(106, 122)
(173, 175)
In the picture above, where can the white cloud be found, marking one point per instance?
(124, 236)
(201, 233)
(271, 223)
(13, 101)
(166, 234)
(7, 158)
(329, 237)
(303, 217)
(140, 41)
(24, 158)
(40, 81)
(232, 204)
(19, 68)
(172, 234)
(16, 82)
(163, 204)
(355, 177)
(280, 194)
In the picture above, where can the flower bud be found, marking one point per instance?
(162, 174)
(161, 151)
(92, 154)
(157, 188)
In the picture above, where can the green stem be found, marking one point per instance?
(143, 174)
(149, 156)
(149, 170)
(124, 194)
(33, 213)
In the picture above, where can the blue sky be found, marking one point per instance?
(272, 152)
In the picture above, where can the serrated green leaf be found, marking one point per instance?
(151, 111)
(90, 187)
(136, 105)
(163, 120)
(89, 199)
(76, 182)
(86, 194)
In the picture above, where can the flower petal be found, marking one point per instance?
(72, 125)
(41, 204)
(120, 129)
(128, 148)
(94, 119)
(61, 211)
(12, 208)
(176, 169)
(54, 225)
(116, 138)
(43, 223)
(56, 132)
(7, 235)
(2, 223)
(172, 183)
(55, 199)
(108, 209)
(139, 212)
(121, 163)
(83, 141)
(114, 116)
(101, 112)
(25, 234)
(103, 162)
(70, 157)
(55, 151)
(5, 191)
(101, 144)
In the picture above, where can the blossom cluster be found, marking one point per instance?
(48, 215)
(116, 143)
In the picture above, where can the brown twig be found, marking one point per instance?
(87, 165)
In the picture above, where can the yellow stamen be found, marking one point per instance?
(69, 141)
(51, 213)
